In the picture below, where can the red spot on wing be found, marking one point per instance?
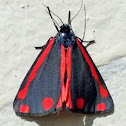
(80, 103)
(22, 94)
(101, 107)
(104, 93)
(24, 109)
(62, 97)
(47, 103)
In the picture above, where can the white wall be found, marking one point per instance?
(24, 24)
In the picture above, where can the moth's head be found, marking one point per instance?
(65, 28)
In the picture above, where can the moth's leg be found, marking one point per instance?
(89, 43)
(40, 47)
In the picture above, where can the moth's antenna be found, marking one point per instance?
(52, 19)
(54, 14)
(57, 16)
(84, 23)
(78, 11)
(69, 22)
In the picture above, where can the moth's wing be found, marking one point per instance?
(89, 93)
(40, 91)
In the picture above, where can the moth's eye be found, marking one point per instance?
(62, 34)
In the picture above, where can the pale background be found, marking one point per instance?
(24, 24)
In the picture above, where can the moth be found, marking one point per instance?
(63, 74)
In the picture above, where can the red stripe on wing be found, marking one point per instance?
(68, 82)
(62, 76)
(22, 94)
(103, 91)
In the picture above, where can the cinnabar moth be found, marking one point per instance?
(63, 72)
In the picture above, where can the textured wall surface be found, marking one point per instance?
(25, 24)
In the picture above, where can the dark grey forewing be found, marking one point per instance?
(84, 87)
(46, 84)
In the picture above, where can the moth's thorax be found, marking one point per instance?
(65, 36)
